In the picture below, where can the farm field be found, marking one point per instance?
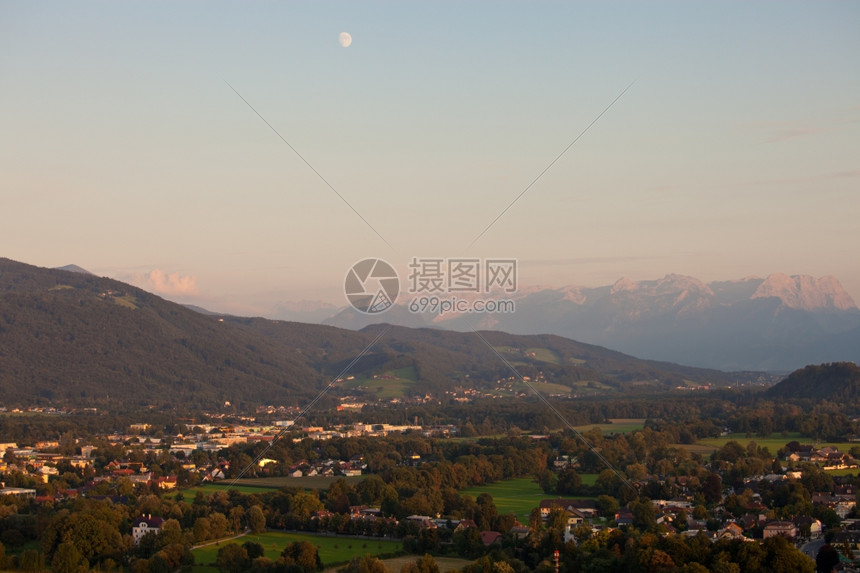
(617, 426)
(549, 388)
(844, 472)
(772, 443)
(332, 549)
(544, 355)
(532, 354)
(260, 485)
(307, 482)
(390, 384)
(210, 488)
(519, 496)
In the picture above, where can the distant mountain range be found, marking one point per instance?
(778, 323)
(74, 338)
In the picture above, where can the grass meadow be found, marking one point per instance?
(772, 443)
(519, 496)
(332, 550)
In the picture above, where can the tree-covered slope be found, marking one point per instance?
(837, 381)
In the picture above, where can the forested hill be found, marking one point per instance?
(837, 382)
(69, 337)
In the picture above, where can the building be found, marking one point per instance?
(808, 527)
(583, 508)
(783, 528)
(18, 491)
(144, 525)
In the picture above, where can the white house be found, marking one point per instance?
(143, 525)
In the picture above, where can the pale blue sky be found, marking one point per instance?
(122, 149)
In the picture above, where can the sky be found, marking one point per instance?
(138, 140)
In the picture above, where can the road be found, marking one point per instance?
(811, 548)
(216, 541)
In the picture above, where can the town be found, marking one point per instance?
(607, 491)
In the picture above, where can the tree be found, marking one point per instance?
(366, 564)
(253, 549)
(237, 514)
(468, 542)
(427, 564)
(636, 471)
(201, 529)
(256, 519)
(486, 510)
(31, 560)
(607, 506)
(712, 488)
(218, 525)
(651, 559)
(680, 522)
(569, 482)
(546, 480)
(305, 504)
(694, 568)
(557, 519)
(644, 517)
(124, 486)
(827, 559)
(304, 554)
(95, 537)
(67, 559)
(783, 557)
(232, 558)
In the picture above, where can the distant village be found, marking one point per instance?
(43, 463)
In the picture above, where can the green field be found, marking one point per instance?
(210, 488)
(261, 485)
(544, 355)
(391, 384)
(591, 386)
(307, 482)
(772, 443)
(617, 426)
(332, 550)
(847, 472)
(539, 354)
(519, 496)
(128, 301)
(542, 387)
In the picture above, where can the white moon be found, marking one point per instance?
(345, 39)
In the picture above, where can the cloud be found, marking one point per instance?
(171, 284)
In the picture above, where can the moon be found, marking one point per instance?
(344, 39)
